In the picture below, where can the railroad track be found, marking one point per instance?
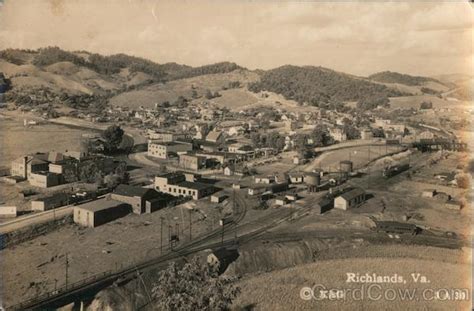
(109, 277)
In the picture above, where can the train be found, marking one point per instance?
(393, 170)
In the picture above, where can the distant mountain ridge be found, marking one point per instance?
(79, 78)
(395, 77)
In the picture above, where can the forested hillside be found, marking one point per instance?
(318, 85)
(395, 77)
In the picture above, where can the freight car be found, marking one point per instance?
(393, 170)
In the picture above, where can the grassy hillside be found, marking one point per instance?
(54, 76)
(170, 91)
(316, 85)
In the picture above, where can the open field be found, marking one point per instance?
(235, 99)
(280, 290)
(359, 155)
(37, 138)
(407, 102)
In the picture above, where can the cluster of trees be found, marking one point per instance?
(395, 77)
(195, 286)
(51, 55)
(232, 85)
(112, 136)
(91, 173)
(15, 56)
(210, 95)
(4, 83)
(429, 91)
(317, 85)
(37, 96)
(189, 72)
(426, 105)
(268, 140)
(372, 102)
(102, 64)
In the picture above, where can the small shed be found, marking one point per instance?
(8, 211)
(428, 193)
(218, 197)
(296, 178)
(453, 205)
(281, 200)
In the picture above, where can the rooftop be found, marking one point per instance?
(354, 193)
(131, 191)
(101, 204)
(194, 185)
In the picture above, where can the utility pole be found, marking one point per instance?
(223, 226)
(161, 235)
(169, 237)
(190, 225)
(67, 268)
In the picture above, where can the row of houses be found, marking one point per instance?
(50, 169)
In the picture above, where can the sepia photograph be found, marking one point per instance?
(241, 155)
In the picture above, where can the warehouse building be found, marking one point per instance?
(163, 150)
(142, 200)
(99, 212)
(192, 161)
(50, 202)
(350, 199)
(179, 184)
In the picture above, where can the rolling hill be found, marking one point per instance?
(316, 85)
(52, 75)
(80, 79)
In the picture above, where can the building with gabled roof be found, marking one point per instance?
(215, 137)
(350, 199)
(142, 200)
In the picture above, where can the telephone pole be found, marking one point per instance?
(161, 235)
(67, 268)
(190, 225)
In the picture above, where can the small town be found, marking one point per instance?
(128, 184)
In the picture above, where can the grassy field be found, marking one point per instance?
(235, 99)
(407, 102)
(280, 290)
(18, 140)
(358, 155)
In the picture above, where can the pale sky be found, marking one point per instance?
(424, 38)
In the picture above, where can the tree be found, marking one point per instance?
(463, 180)
(321, 136)
(89, 172)
(351, 132)
(194, 287)
(112, 138)
(181, 102)
(378, 132)
(426, 105)
(208, 94)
